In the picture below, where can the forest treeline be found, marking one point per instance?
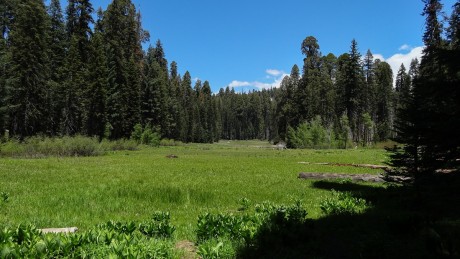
(81, 71)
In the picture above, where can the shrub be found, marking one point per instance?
(169, 143)
(120, 144)
(225, 225)
(268, 217)
(310, 135)
(44, 146)
(343, 203)
(145, 136)
(159, 226)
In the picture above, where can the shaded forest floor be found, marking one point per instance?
(401, 223)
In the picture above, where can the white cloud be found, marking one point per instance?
(404, 47)
(396, 60)
(235, 84)
(275, 76)
(274, 72)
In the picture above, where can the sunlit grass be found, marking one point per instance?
(131, 185)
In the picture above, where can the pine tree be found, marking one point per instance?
(287, 107)
(123, 35)
(175, 95)
(188, 106)
(309, 88)
(351, 85)
(57, 52)
(28, 71)
(384, 100)
(95, 118)
(402, 88)
(3, 91)
(6, 20)
(369, 91)
(79, 20)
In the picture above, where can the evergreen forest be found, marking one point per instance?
(79, 71)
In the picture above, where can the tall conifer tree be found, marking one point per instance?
(28, 69)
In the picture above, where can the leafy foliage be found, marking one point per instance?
(113, 239)
(310, 135)
(159, 226)
(267, 220)
(145, 136)
(343, 203)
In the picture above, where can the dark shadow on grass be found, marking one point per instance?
(402, 222)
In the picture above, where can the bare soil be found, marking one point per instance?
(189, 249)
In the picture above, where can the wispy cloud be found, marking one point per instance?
(236, 83)
(274, 72)
(275, 76)
(404, 47)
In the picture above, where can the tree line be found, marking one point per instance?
(82, 71)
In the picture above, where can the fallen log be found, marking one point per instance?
(382, 167)
(58, 230)
(353, 177)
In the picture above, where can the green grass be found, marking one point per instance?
(131, 185)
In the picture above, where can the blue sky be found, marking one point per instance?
(252, 43)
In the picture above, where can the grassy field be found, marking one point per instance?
(131, 185)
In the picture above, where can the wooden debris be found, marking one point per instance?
(353, 177)
(382, 167)
(59, 230)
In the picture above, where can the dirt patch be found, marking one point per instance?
(172, 156)
(188, 248)
(353, 177)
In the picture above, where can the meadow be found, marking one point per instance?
(131, 185)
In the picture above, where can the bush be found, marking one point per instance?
(268, 218)
(34, 147)
(37, 147)
(170, 143)
(159, 226)
(343, 203)
(145, 136)
(120, 144)
(225, 225)
(310, 135)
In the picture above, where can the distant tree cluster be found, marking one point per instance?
(74, 72)
(353, 97)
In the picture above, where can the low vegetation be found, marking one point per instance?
(39, 147)
(111, 240)
(230, 199)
